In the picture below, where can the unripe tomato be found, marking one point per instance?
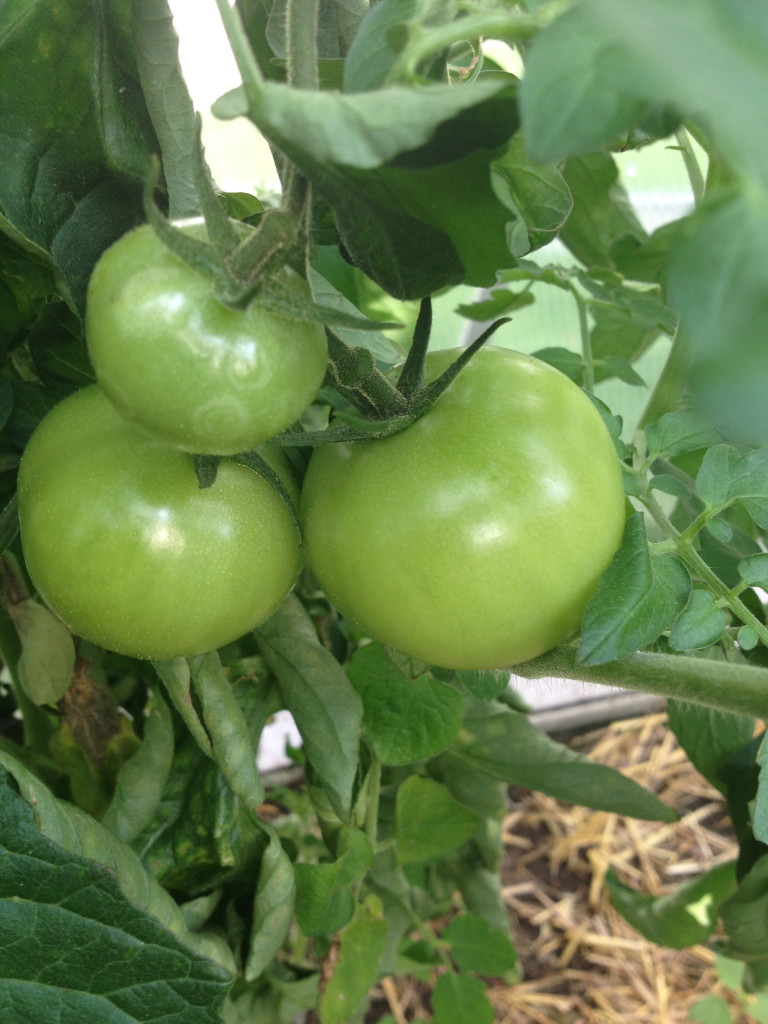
(183, 367)
(474, 538)
(122, 543)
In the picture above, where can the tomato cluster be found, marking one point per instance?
(118, 536)
(472, 539)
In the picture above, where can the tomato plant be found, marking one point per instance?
(187, 369)
(124, 545)
(428, 152)
(474, 538)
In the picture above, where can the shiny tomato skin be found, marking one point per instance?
(131, 553)
(183, 367)
(474, 538)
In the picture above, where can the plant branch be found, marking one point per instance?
(301, 43)
(724, 686)
(586, 340)
(695, 176)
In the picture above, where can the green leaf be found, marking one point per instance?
(754, 570)
(362, 130)
(760, 813)
(328, 296)
(638, 597)
(75, 184)
(273, 906)
(476, 946)
(700, 624)
(458, 997)
(709, 738)
(563, 359)
(324, 900)
(571, 96)
(678, 432)
(141, 779)
(505, 745)
(429, 822)
(405, 719)
(360, 951)
(499, 302)
(47, 652)
(57, 908)
(484, 684)
(602, 215)
(396, 165)
(371, 54)
(233, 747)
(711, 1010)
(326, 707)
(656, 50)
(726, 476)
(81, 835)
(745, 922)
(538, 192)
(681, 918)
(718, 281)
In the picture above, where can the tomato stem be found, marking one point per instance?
(698, 568)
(301, 43)
(724, 686)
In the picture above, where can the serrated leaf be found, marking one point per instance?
(459, 997)
(405, 719)
(74, 948)
(684, 430)
(429, 822)
(505, 745)
(326, 707)
(79, 834)
(477, 946)
(699, 624)
(361, 948)
(638, 597)
(684, 917)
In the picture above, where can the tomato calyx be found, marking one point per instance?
(369, 406)
(241, 261)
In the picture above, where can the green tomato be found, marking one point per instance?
(183, 367)
(474, 538)
(131, 553)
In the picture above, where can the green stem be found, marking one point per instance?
(695, 176)
(301, 43)
(700, 570)
(724, 686)
(586, 340)
(423, 42)
(241, 49)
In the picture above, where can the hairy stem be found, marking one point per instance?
(724, 686)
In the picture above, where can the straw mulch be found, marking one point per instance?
(582, 963)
